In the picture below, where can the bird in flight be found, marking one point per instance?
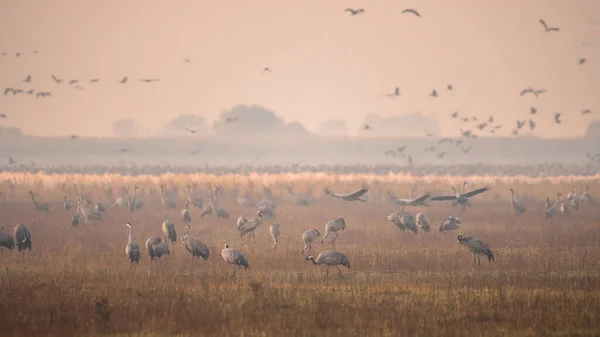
(593, 157)
(355, 196)
(434, 93)
(266, 69)
(520, 124)
(449, 87)
(7, 90)
(586, 111)
(71, 82)
(413, 11)
(466, 133)
(481, 126)
(410, 161)
(78, 87)
(475, 119)
(29, 92)
(232, 119)
(28, 79)
(557, 118)
(124, 80)
(192, 131)
(548, 29)
(95, 80)
(390, 153)
(354, 11)
(533, 110)
(530, 90)
(401, 149)
(73, 137)
(43, 94)
(186, 60)
(195, 151)
(531, 124)
(441, 155)
(149, 80)
(367, 127)
(58, 81)
(491, 120)
(395, 94)
(582, 60)
(454, 114)
(429, 134)
(3, 116)
(465, 119)
(515, 132)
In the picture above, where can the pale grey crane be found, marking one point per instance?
(574, 198)
(39, 206)
(516, 204)
(185, 213)
(330, 258)
(193, 245)
(334, 226)
(477, 247)
(235, 258)
(308, 237)
(214, 207)
(461, 198)
(423, 222)
(404, 220)
(450, 224)
(552, 208)
(418, 201)
(88, 214)
(168, 198)
(6, 240)
(22, 237)
(195, 201)
(132, 249)
(156, 248)
(251, 225)
(168, 229)
(67, 203)
(274, 231)
(564, 207)
(354, 196)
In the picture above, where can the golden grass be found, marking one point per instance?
(77, 281)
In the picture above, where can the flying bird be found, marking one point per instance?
(28, 79)
(531, 124)
(520, 124)
(355, 196)
(533, 110)
(149, 80)
(465, 119)
(95, 80)
(449, 87)
(491, 120)
(515, 132)
(475, 119)
(58, 81)
(557, 118)
(266, 69)
(232, 119)
(395, 94)
(401, 149)
(454, 114)
(124, 80)
(582, 61)
(532, 91)
(481, 126)
(390, 153)
(413, 11)
(548, 29)
(71, 82)
(2, 115)
(192, 131)
(585, 111)
(354, 11)
(367, 127)
(434, 93)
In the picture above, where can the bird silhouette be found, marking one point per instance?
(586, 111)
(557, 118)
(149, 80)
(532, 110)
(531, 124)
(354, 11)
(582, 61)
(28, 79)
(58, 81)
(71, 82)
(3, 116)
(232, 119)
(367, 127)
(520, 124)
(481, 126)
(95, 80)
(434, 93)
(449, 87)
(124, 80)
(266, 69)
(548, 29)
(491, 120)
(192, 131)
(413, 11)
(454, 114)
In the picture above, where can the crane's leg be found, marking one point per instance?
(479, 261)
(234, 270)
(474, 260)
(335, 238)
(326, 275)
(340, 272)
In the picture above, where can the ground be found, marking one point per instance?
(545, 280)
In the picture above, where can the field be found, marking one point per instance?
(545, 280)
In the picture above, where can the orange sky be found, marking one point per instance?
(326, 64)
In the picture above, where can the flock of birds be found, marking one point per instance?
(156, 247)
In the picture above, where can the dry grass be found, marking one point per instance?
(77, 281)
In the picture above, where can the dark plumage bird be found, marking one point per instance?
(548, 29)
(531, 124)
(582, 61)
(585, 111)
(354, 11)
(149, 80)
(520, 124)
(94, 80)
(454, 114)
(71, 82)
(28, 79)
(449, 87)
(266, 69)
(413, 11)
(557, 118)
(124, 80)
(477, 247)
(232, 119)
(533, 110)
(57, 80)
(354, 196)
(434, 93)
(192, 131)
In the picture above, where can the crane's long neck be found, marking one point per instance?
(189, 192)
(130, 235)
(32, 198)
(310, 258)
(215, 198)
(512, 195)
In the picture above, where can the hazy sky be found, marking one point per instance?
(326, 64)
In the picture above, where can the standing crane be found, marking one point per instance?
(194, 246)
(250, 225)
(22, 237)
(477, 247)
(552, 208)
(195, 201)
(423, 222)
(404, 220)
(185, 213)
(156, 248)
(308, 237)
(330, 258)
(235, 258)
(39, 206)
(517, 205)
(6, 240)
(334, 226)
(450, 224)
(132, 249)
(274, 231)
(168, 229)
(168, 198)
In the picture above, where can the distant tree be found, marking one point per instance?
(250, 121)
(333, 127)
(125, 128)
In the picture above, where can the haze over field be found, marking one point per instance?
(326, 64)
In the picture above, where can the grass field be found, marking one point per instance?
(545, 280)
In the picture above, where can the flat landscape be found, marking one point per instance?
(77, 280)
